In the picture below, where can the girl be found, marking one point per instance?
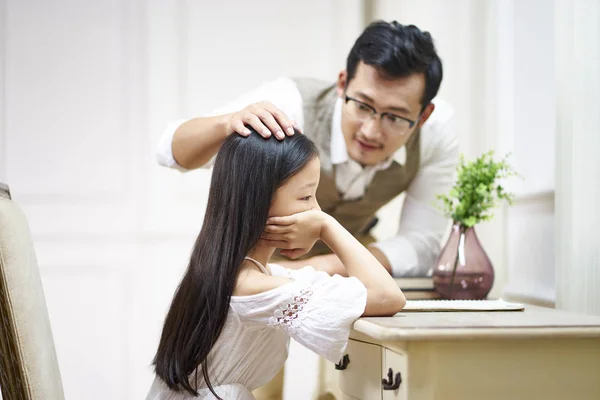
(228, 329)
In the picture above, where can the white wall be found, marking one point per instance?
(531, 139)
(73, 153)
(578, 162)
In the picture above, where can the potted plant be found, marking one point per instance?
(463, 269)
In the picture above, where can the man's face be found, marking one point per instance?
(369, 139)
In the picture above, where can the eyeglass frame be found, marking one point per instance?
(381, 115)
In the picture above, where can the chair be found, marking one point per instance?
(28, 363)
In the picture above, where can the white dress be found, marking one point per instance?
(315, 309)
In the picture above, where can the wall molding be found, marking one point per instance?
(368, 11)
(182, 34)
(530, 266)
(535, 196)
(126, 95)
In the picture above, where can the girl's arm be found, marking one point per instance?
(300, 231)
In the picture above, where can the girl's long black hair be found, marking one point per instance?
(247, 172)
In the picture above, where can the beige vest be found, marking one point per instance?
(318, 104)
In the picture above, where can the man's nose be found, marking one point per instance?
(370, 128)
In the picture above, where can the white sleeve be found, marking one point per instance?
(164, 153)
(282, 92)
(416, 246)
(317, 314)
(307, 273)
(280, 270)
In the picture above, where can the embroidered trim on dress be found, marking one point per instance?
(288, 317)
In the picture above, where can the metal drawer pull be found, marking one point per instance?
(343, 362)
(390, 383)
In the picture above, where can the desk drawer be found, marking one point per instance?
(368, 365)
(397, 363)
(361, 379)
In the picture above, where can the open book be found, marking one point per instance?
(461, 305)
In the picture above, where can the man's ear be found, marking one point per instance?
(341, 83)
(426, 113)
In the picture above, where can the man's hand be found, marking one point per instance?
(265, 118)
(295, 234)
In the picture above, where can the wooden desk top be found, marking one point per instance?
(533, 322)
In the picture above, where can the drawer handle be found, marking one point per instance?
(390, 383)
(343, 362)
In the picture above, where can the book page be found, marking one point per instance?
(462, 305)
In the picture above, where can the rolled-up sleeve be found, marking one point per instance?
(164, 152)
(416, 246)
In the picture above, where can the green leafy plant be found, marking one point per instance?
(477, 191)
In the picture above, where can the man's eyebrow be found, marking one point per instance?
(370, 100)
(364, 96)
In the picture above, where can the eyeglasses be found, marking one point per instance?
(390, 123)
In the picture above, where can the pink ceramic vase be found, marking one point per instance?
(463, 269)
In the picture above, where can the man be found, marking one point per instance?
(379, 131)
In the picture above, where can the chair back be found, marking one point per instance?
(28, 363)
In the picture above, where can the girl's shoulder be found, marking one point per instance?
(251, 282)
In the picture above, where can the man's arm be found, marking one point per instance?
(196, 141)
(331, 263)
(269, 109)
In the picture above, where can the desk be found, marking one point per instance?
(539, 353)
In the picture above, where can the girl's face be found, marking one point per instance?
(299, 192)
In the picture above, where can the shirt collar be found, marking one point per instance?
(339, 152)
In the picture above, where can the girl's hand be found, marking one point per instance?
(295, 234)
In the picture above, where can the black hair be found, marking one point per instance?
(247, 172)
(397, 51)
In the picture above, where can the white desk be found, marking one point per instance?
(538, 353)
